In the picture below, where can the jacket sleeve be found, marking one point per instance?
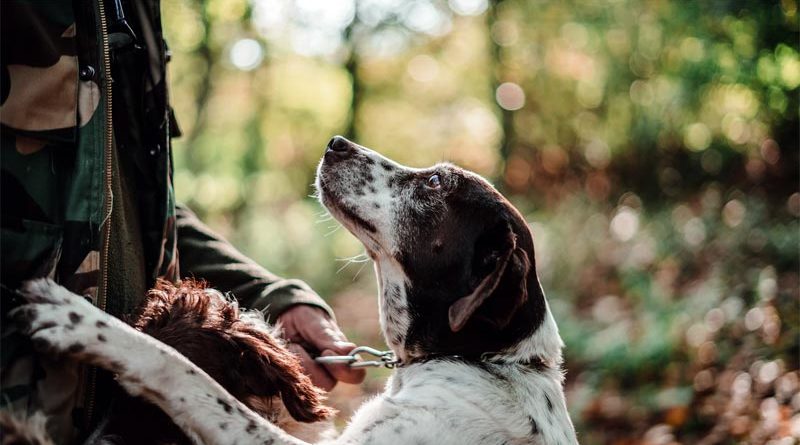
(206, 255)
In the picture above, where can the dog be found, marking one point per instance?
(209, 329)
(460, 305)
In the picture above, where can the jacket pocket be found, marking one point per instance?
(31, 252)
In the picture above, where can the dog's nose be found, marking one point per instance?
(339, 145)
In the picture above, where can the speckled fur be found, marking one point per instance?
(514, 397)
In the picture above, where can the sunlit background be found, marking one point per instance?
(652, 145)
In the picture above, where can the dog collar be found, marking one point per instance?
(489, 358)
(388, 359)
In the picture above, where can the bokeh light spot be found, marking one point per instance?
(505, 32)
(793, 204)
(733, 213)
(589, 93)
(767, 283)
(696, 335)
(789, 62)
(770, 151)
(426, 18)
(768, 372)
(703, 380)
(741, 384)
(575, 34)
(692, 49)
(715, 319)
(468, 7)
(510, 96)
(641, 93)
(625, 224)
(754, 319)
(246, 54)
(597, 153)
(735, 128)
(697, 136)
(694, 231)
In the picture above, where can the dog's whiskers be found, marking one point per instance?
(358, 272)
(360, 258)
(334, 230)
(324, 216)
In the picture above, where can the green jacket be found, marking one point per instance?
(87, 195)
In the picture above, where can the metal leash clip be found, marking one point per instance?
(386, 359)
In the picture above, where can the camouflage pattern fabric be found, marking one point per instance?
(59, 161)
(55, 148)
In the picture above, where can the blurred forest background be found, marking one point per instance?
(652, 145)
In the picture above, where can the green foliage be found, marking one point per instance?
(653, 146)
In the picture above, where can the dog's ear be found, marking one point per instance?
(268, 368)
(502, 289)
(210, 333)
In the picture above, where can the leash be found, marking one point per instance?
(384, 359)
(387, 359)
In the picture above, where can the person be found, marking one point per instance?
(87, 199)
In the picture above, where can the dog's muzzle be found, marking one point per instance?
(335, 183)
(338, 149)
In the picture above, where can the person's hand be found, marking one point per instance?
(310, 329)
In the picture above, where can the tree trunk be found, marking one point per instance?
(356, 87)
(508, 138)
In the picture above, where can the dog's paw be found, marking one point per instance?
(44, 290)
(57, 320)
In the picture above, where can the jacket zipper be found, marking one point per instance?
(107, 147)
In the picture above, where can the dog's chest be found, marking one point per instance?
(449, 402)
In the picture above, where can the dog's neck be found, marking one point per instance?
(393, 307)
(540, 350)
(543, 345)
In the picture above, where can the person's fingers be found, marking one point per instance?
(323, 333)
(328, 338)
(342, 372)
(314, 329)
(319, 376)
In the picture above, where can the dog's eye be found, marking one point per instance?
(434, 182)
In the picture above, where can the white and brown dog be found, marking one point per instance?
(460, 305)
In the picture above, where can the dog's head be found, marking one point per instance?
(454, 258)
(235, 348)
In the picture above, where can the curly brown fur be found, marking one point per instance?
(236, 348)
